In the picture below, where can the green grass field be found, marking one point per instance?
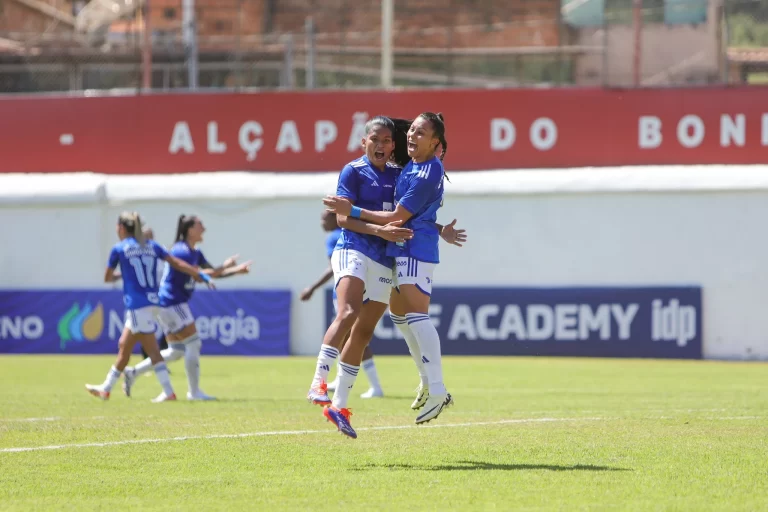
(525, 434)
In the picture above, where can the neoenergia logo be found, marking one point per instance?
(81, 324)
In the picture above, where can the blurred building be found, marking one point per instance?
(56, 45)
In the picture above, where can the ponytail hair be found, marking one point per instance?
(185, 222)
(438, 128)
(400, 136)
(131, 221)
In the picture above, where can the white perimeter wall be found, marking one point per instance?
(641, 226)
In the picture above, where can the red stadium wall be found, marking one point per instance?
(320, 131)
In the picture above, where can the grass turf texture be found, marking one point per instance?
(525, 434)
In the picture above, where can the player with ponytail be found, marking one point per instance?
(175, 316)
(138, 259)
(418, 196)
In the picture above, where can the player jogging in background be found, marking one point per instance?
(329, 224)
(175, 316)
(418, 196)
(138, 260)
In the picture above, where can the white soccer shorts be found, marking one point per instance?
(413, 271)
(142, 320)
(377, 277)
(175, 318)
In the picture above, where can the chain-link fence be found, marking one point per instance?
(61, 45)
(746, 33)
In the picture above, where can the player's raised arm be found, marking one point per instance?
(229, 268)
(183, 266)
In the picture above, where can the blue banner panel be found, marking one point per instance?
(659, 322)
(230, 322)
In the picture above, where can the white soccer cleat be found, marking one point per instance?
(333, 385)
(200, 396)
(422, 395)
(434, 406)
(97, 391)
(129, 379)
(373, 393)
(162, 397)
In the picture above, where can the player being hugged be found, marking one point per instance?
(138, 260)
(331, 226)
(418, 196)
(361, 268)
(175, 317)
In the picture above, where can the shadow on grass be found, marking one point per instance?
(471, 465)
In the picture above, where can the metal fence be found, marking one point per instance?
(338, 43)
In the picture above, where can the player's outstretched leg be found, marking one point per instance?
(173, 353)
(125, 347)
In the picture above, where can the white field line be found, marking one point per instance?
(31, 420)
(289, 433)
(707, 418)
(326, 431)
(551, 411)
(51, 419)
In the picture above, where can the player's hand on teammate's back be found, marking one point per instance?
(393, 232)
(452, 235)
(338, 205)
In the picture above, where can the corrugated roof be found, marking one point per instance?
(756, 55)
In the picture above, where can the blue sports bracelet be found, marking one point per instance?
(205, 277)
(355, 212)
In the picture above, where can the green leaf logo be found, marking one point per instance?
(63, 327)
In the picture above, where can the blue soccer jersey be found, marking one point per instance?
(370, 189)
(177, 287)
(420, 191)
(331, 240)
(138, 265)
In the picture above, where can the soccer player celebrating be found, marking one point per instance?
(418, 196)
(175, 316)
(138, 260)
